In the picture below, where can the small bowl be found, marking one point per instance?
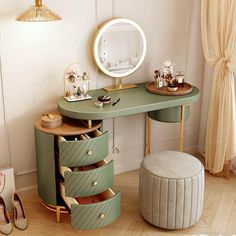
(172, 89)
(99, 104)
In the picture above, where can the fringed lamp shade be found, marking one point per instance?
(38, 13)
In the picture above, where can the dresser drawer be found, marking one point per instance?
(93, 212)
(88, 180)
(87, 149)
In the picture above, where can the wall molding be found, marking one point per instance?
(25, 172)
(29, 188)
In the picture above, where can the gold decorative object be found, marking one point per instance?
(38, 13)
(182, 89)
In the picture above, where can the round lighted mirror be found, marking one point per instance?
(119, 47)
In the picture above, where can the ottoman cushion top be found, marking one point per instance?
(172, 164)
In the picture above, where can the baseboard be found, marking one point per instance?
(25, 181)
(191, 150)
(29, 188)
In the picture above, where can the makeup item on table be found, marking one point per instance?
(105, 99)
(180, 78)
(116, 101)
(159, 80)
(99, 104)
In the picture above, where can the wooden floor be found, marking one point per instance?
(219, 215)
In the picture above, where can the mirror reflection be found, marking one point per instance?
(120, 48)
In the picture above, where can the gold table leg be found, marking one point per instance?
(58, 214)
(58, 209)
(90, 124)
(181, 132)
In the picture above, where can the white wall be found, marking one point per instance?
(35, 55)
(4, 154)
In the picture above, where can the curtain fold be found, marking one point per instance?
(218, 22)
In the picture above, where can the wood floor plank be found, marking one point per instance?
(231, 226)
(211, 202)
(227, 188)
(223, 213)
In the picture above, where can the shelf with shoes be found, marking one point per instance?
(72, 172)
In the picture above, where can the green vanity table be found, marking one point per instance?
(71, 164)
(132, 101)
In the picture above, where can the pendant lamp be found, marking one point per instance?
(38, 13)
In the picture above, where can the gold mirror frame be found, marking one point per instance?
(101, 30)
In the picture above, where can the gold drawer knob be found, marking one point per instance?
(95, 183)
(89, 152)
(102, 216)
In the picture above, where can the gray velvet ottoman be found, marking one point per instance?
(171, 189)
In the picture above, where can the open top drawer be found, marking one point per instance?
(95, 211)
(88, 180)
(83, 150)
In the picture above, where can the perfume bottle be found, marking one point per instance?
(158, 79)
(85, 85)
(180, 77)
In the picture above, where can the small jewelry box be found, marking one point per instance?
(51, 120)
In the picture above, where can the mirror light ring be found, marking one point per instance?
(98, 36)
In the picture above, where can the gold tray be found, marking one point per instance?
(182, 90)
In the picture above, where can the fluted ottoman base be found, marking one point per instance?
(171, 189)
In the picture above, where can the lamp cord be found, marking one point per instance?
(115, 150)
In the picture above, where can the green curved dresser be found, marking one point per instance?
(73, 175)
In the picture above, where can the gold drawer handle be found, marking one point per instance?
(102, 216)
(89, 152)
(95, 183)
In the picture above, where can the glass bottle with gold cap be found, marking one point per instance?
(85, 85)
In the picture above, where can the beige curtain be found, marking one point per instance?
(218, 21)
